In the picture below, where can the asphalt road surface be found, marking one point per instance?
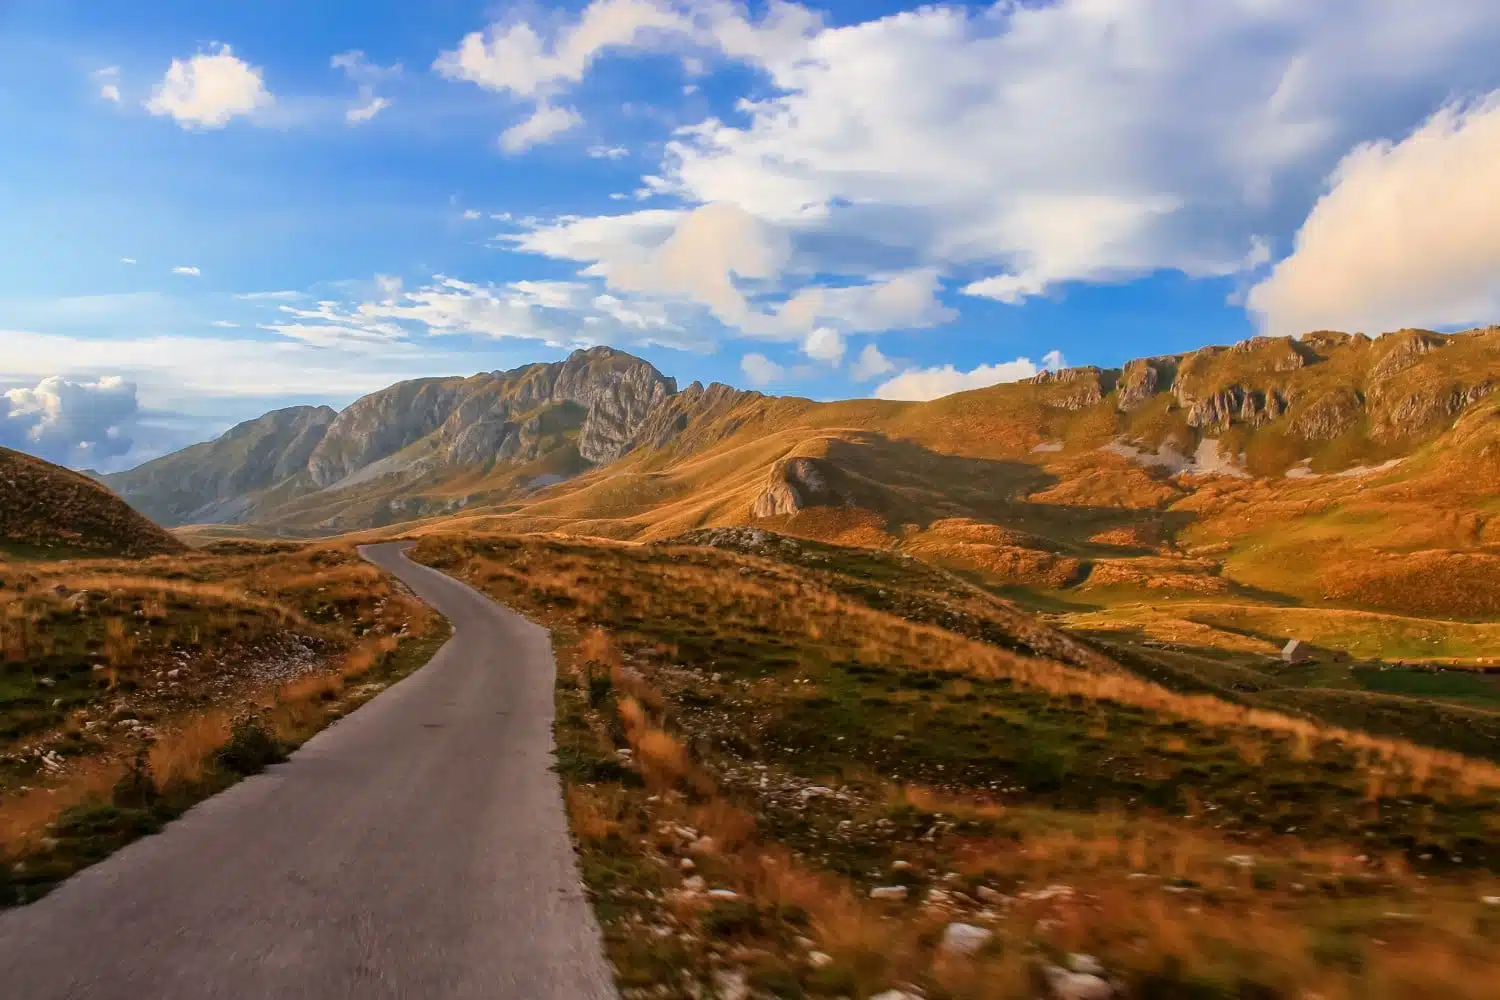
(416, 848)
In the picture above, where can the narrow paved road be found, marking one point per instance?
(417, 848)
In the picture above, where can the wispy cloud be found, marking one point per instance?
(368, 76)
(187, 269)
(108, 80)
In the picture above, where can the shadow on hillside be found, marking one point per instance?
(909, 484)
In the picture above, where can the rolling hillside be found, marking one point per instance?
(1331, 472)
(47, 510)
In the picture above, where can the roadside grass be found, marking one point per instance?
(756, 724)
(130, 693)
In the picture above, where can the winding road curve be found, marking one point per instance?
(417, 848)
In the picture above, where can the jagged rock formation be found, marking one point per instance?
(602, 394)
(46, 509)
(1330, 415)
(1085, 386)
(1236, 404)
(1139, 381)
(795, 483)
(593, 405)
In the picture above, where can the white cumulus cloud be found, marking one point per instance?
(72, 423)
(1408, 234)
(1009, 150)
(870, 364)
(930, 383)
(188, 270)
(824, 344)
(761, 370)
(209, 89)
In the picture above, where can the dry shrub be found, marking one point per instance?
(597, 646)
(594, 813)
(179, 758)
(634, 717)
(312, 688)
(362, 658)
(118, 644)
(731, 827)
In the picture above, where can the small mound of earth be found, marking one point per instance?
(738, 539)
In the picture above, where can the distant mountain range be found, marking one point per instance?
(1266, 407)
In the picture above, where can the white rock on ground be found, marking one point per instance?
(895, 995)
(964, 939)
(1067, 985)
(730, 984)
(1086, 964)
(889, 892)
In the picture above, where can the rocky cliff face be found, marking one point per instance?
(794, 484)
(210, 481)
(596, 403)
(496, 416)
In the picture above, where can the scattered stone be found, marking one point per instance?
(1088, 965)
(731, 984)
(901, 866)
(819, 959)
(1240, 861)
(694, 883)
(1490, 900)
(1050, 893)
(703, 845)
(988, 895)
(964, 939)
(723, 894)
(894, 892)
(1065, 985)
(46, 682)
(686, 864)
(895, 995)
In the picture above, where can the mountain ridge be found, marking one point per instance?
(1321, 404)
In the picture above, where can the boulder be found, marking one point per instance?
(1066, 985)
(964, 939)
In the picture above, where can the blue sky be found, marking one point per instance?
(211, 210)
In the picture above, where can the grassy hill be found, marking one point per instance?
(797, 768)
(46, 510)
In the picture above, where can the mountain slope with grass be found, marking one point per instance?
(1333, 472)
(803, 770)
(49, 511)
